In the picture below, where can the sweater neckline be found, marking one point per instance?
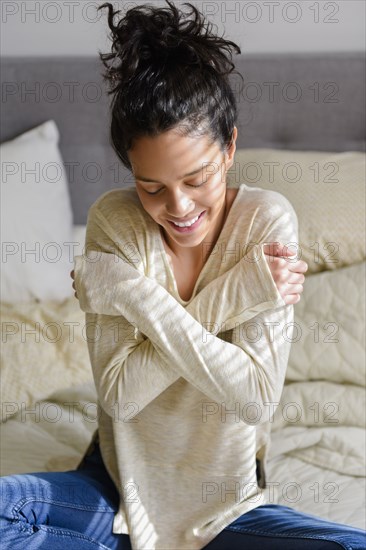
(163, 254)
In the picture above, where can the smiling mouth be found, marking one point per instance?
(188, 228)
(188, 220)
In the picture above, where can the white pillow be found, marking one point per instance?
(79, 234)
(36, 216)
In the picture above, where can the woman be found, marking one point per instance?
(176, 270)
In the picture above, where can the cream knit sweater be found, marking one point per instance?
(186, 389)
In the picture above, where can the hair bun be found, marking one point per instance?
(147, 35)
(168, 70)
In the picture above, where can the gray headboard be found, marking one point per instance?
(292, 101)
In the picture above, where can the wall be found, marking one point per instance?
(76, 28)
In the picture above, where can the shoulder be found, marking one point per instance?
(118, 219)
(119, 200)
(267, 200)
(265, 213)
(121, 210)
(266, 206)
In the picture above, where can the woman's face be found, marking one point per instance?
(179, 178)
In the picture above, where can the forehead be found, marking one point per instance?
(170, 154)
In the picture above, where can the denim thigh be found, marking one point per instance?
(72, 509)
(278, 527)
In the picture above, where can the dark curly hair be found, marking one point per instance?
(172, 73)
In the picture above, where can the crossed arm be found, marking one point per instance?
(163, 341)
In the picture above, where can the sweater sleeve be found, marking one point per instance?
(175, 343)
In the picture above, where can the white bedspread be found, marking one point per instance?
(316, 470)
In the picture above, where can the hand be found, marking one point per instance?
(72, 275)
(288, 275)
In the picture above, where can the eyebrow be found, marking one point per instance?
(157, 181)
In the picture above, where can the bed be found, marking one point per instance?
(301, 132)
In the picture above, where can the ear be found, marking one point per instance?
(229, 155)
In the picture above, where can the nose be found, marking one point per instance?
(179, 204)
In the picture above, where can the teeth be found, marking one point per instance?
(187, 224)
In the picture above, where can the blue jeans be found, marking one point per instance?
(74, 510)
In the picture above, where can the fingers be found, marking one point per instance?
(299, 267)
(288, 257)
(292, 289)
(72, 275)
(295, 289)
(292, 299)
(287, 271)
(296, 278)
(73, 286)
(278, 249)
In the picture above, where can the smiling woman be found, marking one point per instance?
(188, 374)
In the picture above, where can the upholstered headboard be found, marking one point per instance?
(297, 102)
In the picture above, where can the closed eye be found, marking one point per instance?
(195, 186)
